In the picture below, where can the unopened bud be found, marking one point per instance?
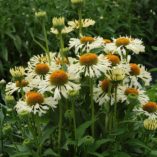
(58, 23)
(150, 124)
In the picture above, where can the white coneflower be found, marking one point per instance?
(100, 93)
(91, 65)
(85, 23)
(38, 66)
(133, 44)
(137, 74)
(59, 83)
(114, 59)
(12, 87)
(17, 72)
(85, 44)
(35, 103)
(110, 48)
(125, 90)
(148, 109)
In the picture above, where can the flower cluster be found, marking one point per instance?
(106, 64)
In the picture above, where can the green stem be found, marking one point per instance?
(106, 122)
(115, 106)
(60, 128)
(74, 118)
(92, 106)
(62, 47)
(36, 133)
(46, 41)
(80, 22)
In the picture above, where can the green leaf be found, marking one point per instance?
(21, 154)
(17, 43)
(153, 70)
(4, 53)
(122, 154)
(82, 128)
(46, 134)
(153, 153)
(154, 48)
(50, 152)
(95, 154)
(98, 143)
(68, 142)
(136, 143)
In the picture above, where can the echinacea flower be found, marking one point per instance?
(35, 103)
(114, 59)
(85, 44)
(133, 44)
(38, 66)
(125, 90)
(148, 109)
(101, 93)
(138, 76)
(90, 65)
(17, 86)
(59, 83)
(125, 43)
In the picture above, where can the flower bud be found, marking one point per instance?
(150, 124)
(40, 14)
(2, 82)
(7, 129)
(9, 100)
(17, 73)
(58, 23)
(77, 3)
(68, 114)
(23, 114)
(73, 93)
(117, 74)
(27, 142)
(88, 140)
